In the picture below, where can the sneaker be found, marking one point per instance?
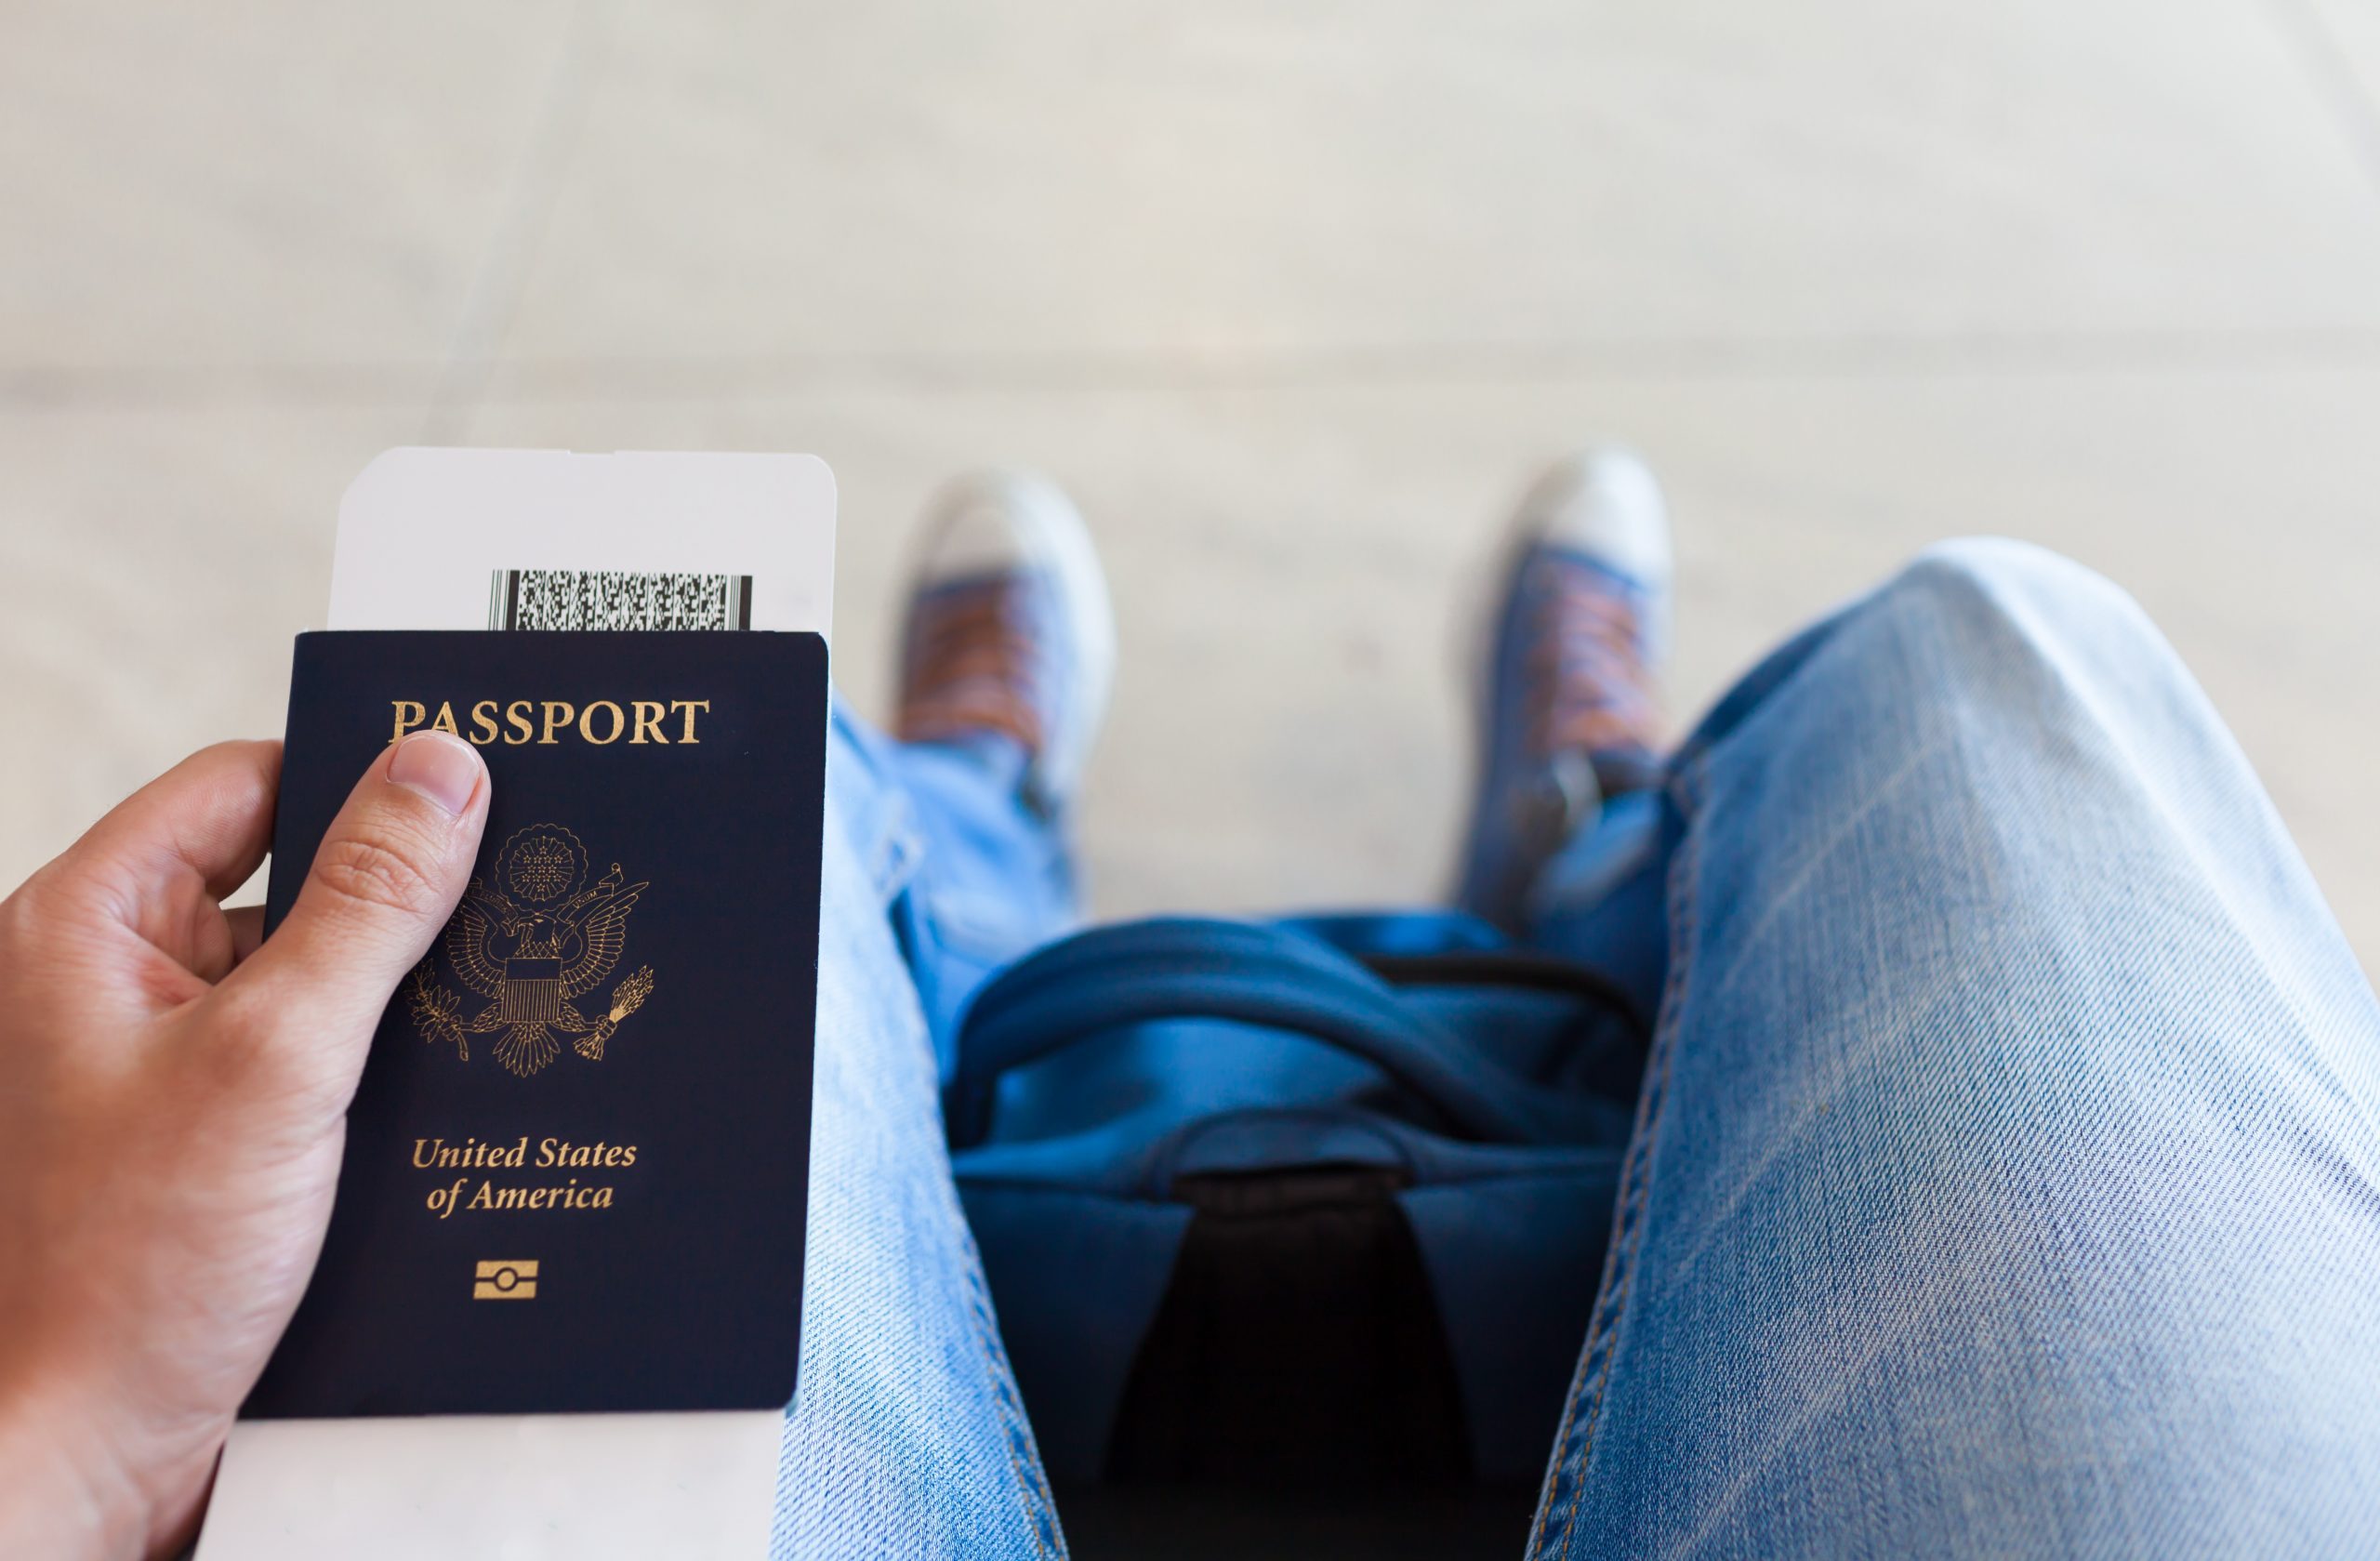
(1567, 711)
(1010, 636)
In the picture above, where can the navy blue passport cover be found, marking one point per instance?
(578, 1165)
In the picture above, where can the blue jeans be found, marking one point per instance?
(2006, 1173)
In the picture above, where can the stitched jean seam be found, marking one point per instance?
(1025, 1458)
(1565, 1479)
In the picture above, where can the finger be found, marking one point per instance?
(248, 930)
(383, 882)
(209, 817)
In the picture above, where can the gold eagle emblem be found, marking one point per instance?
(533, 943)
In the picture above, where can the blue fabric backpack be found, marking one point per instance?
(1310, 1201)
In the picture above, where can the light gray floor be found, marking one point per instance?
(1291, 295)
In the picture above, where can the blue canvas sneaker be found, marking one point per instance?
(1010, 637)
(1566, 708)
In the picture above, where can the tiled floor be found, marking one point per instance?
(1292, 296)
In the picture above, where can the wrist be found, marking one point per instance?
(63, 1491)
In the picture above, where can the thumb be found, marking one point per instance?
(384, 880)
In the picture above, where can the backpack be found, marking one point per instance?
(1314, 1202)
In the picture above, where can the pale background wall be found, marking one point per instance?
(1292, 296)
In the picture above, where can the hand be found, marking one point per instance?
(173, 1099)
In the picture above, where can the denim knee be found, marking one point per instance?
(1996, 629)
(1995, 607)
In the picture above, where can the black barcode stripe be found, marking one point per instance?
(610, 599)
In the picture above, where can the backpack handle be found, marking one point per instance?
(1199, 967)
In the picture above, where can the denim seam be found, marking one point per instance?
(1025, 1458)
(1565, 1479)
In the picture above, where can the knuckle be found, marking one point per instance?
(21, 918)
(379, 876)
(34, 919)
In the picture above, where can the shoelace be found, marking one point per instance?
(972, 664)
(1586, 680)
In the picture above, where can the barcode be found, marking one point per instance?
(617, 598)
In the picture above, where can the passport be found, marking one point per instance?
(576, 1165)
